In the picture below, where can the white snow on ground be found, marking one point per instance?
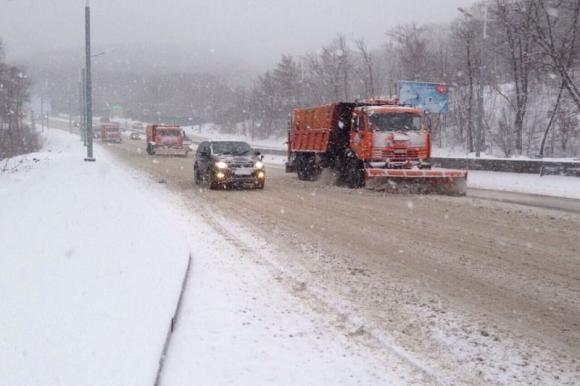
(456, 152)
(92, 261)
(87, 279)
(559, 186)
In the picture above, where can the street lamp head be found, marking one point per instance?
(464, 12)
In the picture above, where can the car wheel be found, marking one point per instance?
(210, 180)
(196, 176)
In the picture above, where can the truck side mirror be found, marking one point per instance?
(428, 122)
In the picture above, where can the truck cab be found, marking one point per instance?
(391, 136)
(111, 132)
(166, 139)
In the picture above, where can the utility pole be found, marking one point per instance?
(88, 85)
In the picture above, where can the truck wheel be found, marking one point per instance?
(354, 177)
(300, 170)
(307, 167)
(150, 150)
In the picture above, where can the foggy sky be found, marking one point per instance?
(259, 31)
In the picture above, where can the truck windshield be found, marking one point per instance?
(394, 121)
(235, 148)
(169, 133)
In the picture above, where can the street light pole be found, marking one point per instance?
(83, 94)
(88, 89)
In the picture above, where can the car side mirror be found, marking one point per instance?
(204, 154)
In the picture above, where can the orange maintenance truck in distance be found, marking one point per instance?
(111, 132)
(166, 139)
(378, 144)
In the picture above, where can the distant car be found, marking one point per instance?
(223, 164)
(187, 142)
(138, 126)
(135, 136)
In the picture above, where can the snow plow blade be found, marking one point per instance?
(439, 181)
(171, 151)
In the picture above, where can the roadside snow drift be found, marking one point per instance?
(88, 275)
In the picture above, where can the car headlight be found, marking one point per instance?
(259, 165)
(221, 165)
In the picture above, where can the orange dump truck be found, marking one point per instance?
(111, 132)
(378, 144)
(166, 139)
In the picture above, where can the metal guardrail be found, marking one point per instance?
(511, 165)
(173, 323)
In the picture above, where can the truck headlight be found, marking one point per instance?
(259, 165)
(221, 165)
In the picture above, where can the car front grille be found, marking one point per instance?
(242, 165)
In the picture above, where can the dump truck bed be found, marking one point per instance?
(315, 129)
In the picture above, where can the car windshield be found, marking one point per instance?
(394, 121)
(234, 148)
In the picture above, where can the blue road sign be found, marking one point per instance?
(432, 97)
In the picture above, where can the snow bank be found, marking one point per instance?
(558, 186)
(88, 278)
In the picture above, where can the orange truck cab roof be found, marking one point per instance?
(111, 125)
(393, 109)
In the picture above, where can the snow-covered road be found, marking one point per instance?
(92, 261)
(461, 288)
